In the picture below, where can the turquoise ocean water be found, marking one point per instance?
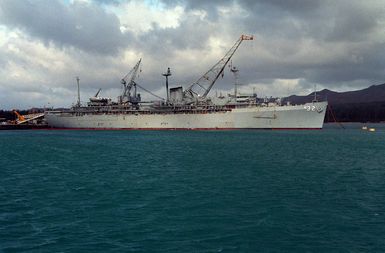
(192, 191)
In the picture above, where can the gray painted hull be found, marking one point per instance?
(306, 116)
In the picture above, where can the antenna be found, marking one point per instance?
(167, 74)
(78, 79)
(315, 93)
(235, 71)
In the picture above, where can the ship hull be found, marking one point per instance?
(307, 116)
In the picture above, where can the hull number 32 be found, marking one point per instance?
(312, 108)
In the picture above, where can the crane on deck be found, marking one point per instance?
(198, 90)
(128, 83)
(96, 100)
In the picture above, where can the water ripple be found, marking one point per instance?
(218, 191)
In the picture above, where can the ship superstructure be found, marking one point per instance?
(190, 108)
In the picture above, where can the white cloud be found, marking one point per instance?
(138, 16)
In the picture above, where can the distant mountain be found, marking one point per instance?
(374, 93)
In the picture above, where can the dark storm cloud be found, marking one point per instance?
(349, 34)
(366, 64)
(210, 7)
(192, 33)
(294, 6)
(326, 19)
(107, 2)
(325, 42)
(262, 6)
(87, 27)
(353, 22)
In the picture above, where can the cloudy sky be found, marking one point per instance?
(298, 45)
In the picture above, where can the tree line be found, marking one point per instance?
(357, 112)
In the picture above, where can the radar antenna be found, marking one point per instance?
(235, 72)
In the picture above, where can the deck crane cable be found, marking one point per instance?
(203, 85)
(150, 92)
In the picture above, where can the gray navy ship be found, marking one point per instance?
(190, 108)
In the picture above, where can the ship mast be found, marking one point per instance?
(235, 72)
(78, 103)
(167, 74)
(315, 94)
